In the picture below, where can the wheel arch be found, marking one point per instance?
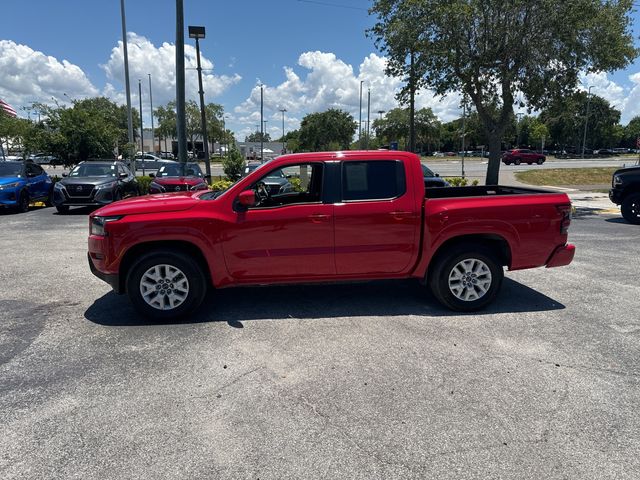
(145, 248)
(497, 244)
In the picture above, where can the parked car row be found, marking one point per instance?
(90, 183)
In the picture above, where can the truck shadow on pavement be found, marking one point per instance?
(371, 299)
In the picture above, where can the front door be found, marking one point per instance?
(289, 234)
(376, 223)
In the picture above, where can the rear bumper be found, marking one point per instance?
(562, 256)
(111, 279)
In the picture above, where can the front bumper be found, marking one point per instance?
(615, 196)
(111, 279)
(97, 197)
(563, 255)
(9, 198)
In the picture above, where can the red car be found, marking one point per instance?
(522, 155)
(178, 177)
(355, 215)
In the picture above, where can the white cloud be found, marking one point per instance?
(31, 76)
(145, 58)
(332, 83)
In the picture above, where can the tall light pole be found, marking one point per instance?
(180, 100)
(261, 124)
(284, 150)
(464, 117)
(198, 33)
(368, 115)
(141, 127)
(126, 77)
(586, 121)
(519, 116)
(153, 130)
(360, 118)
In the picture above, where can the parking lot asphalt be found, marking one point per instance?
(371, 380)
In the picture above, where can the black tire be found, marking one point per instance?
(443, 267)
(540, 161)
(517, 161)
(23, 202)
(188, 267)
(62, 209)
(49, 201)
(631, 209)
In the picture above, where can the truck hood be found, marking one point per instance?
(162, 202)
(86, 180)
(629, 170)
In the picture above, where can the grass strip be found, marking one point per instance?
(567, 176)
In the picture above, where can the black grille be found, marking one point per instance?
(177, 188)
(79, 190)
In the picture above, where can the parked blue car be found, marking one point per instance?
(22, 183)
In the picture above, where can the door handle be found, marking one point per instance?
(401, 215)
(319, 218)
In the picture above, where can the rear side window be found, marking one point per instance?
(373, 180)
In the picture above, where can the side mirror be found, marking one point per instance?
(123, 175)
(152, 175)
(64, 174)
(247, 198)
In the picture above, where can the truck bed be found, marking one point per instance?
(481, 191)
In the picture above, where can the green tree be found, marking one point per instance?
(330, 130)
(255, 137)
(632, 133)
(539, 133)
(166, 117)
(233, 164)
(478, 47)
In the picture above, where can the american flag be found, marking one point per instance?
(8, 109)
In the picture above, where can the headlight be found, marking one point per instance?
(98, 223)
(8, 186)
(58, 186)
(106, 185)
(157, 186)
(617, 180)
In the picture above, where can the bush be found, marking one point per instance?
(233, 165)
(221, 185)
(296, 183)
(143, 183)
(460, 182)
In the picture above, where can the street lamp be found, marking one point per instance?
(198, 33)
(586, 120)
(141, 127)
(261, 123)
(126, 77)
(284, 150)
(360, 118)
(181, 120)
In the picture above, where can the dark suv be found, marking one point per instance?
(625, 191)
(94, 183)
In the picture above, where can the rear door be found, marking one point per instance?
(376, 225)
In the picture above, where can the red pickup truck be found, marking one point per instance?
(339, 216)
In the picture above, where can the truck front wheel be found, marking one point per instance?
(466, 278)
(164, 285)
(631, 209)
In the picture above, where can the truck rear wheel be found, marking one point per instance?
(466, 278)
(631, 209)
(164, 285)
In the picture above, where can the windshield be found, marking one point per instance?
(10, 169)
(426, 172)
(94, 170)
(180, 170)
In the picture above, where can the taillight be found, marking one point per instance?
(565, 221)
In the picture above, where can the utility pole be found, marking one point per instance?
(153, 130)
(412, 105)
(141, 127)
(360, 118)
(464, 115)
(261, 124)
(586, 121)
(284, 150)
(368, 115)
(126, 79)
(198, 33)
(180, 100)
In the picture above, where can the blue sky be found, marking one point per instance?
(310, 56)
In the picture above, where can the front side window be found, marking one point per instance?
(293, 184)
(372, 180)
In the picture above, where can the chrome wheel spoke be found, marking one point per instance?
(470, 279)
(164, 287)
